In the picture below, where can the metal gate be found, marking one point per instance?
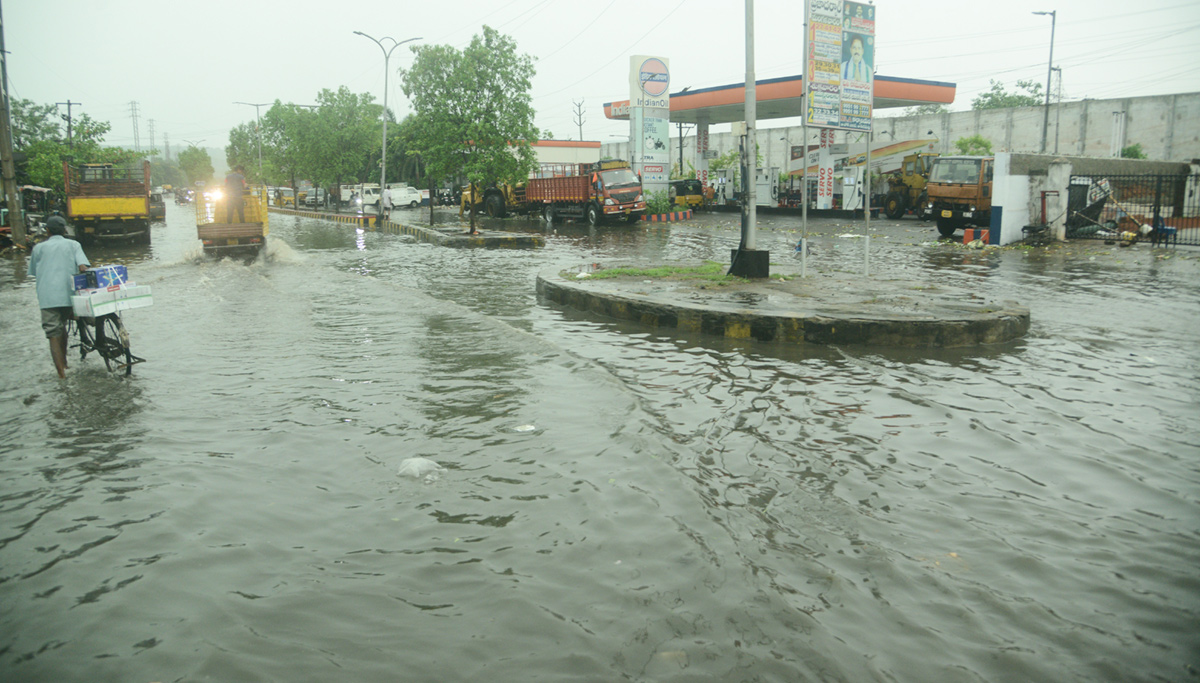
(1160, 209)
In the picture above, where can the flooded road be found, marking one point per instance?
(616, 503)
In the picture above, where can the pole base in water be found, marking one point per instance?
(749, 263)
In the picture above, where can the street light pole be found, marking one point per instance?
(257, 129)
(1049, 71)
(387, 53)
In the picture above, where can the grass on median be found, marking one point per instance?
(710, 271)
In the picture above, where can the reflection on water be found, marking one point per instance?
(616, 502)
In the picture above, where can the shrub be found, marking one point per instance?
(658, 202)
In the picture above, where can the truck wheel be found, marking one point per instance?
(548, 213)
(493, 206)
(921, 202)
(592, 214)
(946, 227)
(894, 205)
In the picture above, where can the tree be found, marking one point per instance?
(926, 110)
(342, 140)
(474, 114)
(196, 163)
(1133, 151)
(999, 98)
(242, 149)
(284, 129)
(44, 157)
(976, 145)
(33, 123)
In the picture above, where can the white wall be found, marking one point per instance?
(1166, 126)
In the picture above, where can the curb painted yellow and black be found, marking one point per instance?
(671, 217)
(359, 220)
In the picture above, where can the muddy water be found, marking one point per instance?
(616, 503)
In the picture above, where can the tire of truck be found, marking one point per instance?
(592, 214)
(946, 227)
(548, 214)
(493, 206)
(920, 208)
(412, 205)
(893, 206)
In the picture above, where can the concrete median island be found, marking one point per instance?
(820, 309)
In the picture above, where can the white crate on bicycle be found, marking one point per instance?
(91, 303)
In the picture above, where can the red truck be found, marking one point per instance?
(588, 191)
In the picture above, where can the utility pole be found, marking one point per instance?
(69, 104)
(151, 133)
(15, 217)
(166, 146)
(257, 130)
(1049, 70)
(1057, 107)
(387, 54)
(579, 120)
(133, 113)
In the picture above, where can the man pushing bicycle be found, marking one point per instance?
(54, 263)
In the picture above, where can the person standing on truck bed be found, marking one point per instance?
(235, 183)
(53, 263)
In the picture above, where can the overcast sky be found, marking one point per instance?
(186, 63)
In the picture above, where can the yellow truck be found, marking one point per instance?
(222, 231)
(108, 203)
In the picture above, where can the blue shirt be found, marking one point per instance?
(54, 263)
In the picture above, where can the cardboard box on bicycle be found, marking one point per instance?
(91, 303)
(102, 276)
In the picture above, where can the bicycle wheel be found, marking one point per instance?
(85, 337)
(112, 343)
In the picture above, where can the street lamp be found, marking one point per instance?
(1049, 70)
(387, 53)
(257, 129)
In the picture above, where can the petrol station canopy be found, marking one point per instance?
(780, 98)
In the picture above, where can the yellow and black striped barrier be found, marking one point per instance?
(358, 220)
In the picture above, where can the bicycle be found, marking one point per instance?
(106, 335)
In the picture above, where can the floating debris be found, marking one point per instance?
(420, 468)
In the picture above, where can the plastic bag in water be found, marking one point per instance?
(420, 468)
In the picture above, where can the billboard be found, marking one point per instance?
(650, 119)
(841, 64)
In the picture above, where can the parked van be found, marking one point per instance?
(406, 196)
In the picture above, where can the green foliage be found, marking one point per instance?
(243, 148)
(45, 151)
(196, 164)
(710, 270)
(1133, 151)
(343, 140)
(926, 110)
(659, 202)
(33, 123)
(678, 174)
(284, 128)
(473, 111)
(163, 172)
(976, 145)
(999, 98)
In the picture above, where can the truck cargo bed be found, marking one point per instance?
(572, 189)
(219, 231)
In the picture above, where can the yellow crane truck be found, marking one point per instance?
(906, 187)
(107, 202)
(225, 232)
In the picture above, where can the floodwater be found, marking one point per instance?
(616, 503)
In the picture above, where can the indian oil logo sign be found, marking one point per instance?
(649, 79)
(653, 77)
